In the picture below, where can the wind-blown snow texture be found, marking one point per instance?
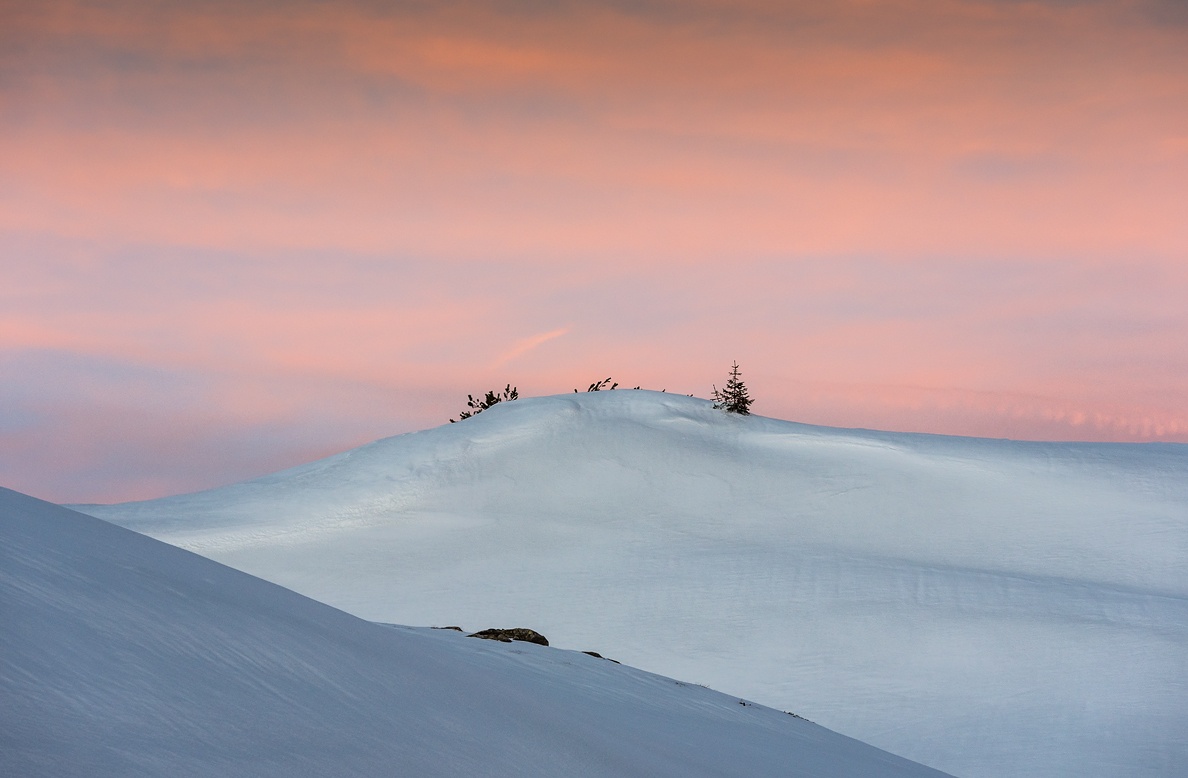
(123, 656)
(987, 607)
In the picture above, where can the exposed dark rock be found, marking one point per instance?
(600, 656)
(508, 635)
(456, 629)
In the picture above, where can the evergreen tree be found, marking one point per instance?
(733, 398)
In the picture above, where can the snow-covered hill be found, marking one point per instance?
(123, 656)
(990, 608)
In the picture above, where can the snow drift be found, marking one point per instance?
(123, 656)
(987, 607)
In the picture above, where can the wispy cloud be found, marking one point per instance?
(525, 345)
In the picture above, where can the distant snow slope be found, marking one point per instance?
(990, 608)
(122, 656)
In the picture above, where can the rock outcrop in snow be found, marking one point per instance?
(515, 633)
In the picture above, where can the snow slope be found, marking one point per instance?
(123, 656)
(987, 607)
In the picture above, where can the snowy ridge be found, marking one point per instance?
(987, 607)
(123, 656)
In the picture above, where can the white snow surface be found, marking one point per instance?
(986, 607)
(123, 656)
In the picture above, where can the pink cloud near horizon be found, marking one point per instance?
(337, 219)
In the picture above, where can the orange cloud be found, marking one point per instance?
(917, 127)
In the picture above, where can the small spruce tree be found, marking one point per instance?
(733, 398)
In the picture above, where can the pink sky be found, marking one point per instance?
(237, 236)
